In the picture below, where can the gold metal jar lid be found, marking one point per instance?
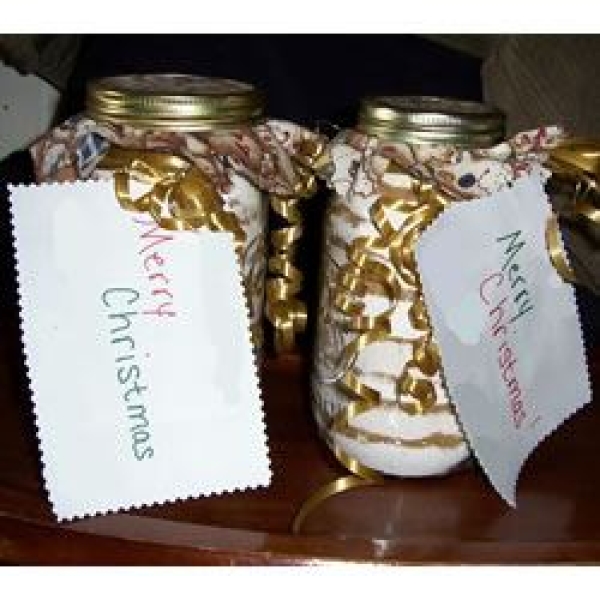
(173, 102)
(431, 120)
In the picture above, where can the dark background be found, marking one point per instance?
(306, 78)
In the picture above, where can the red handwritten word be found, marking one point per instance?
(507, 359)
(152, 237)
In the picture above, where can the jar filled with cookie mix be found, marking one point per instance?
(191, 152)
(378, 391)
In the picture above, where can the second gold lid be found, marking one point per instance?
(428, 119)
(173, 102)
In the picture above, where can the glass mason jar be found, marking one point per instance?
(152, 129)
(378, 393)
(197, 152)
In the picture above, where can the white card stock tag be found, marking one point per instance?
(138, 351)
(507, 326)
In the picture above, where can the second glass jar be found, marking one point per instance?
(378, 393)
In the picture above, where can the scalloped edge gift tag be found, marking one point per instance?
(507, 326)
(138, 350)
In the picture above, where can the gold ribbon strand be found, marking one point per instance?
(284, 310)
(577, 160)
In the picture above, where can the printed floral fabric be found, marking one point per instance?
(263, 153)
(462, 173)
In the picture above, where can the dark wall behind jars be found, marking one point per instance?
(306, 78)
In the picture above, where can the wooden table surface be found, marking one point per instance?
(455, 519)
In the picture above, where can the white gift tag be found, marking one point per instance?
(139, 354)
(507, 326)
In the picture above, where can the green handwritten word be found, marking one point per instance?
(521, 296)
(507, 298)
(121, 302)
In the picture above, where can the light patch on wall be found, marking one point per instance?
(27, 106)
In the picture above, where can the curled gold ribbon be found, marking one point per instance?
(286, 313)
(181, 196)
(283, 309)
(577, 160)
(361, 476)
(555, 251)
(338, 486)
(576, 156)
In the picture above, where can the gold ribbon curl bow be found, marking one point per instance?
(578, 161)
(284, 310)
(182, 197)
